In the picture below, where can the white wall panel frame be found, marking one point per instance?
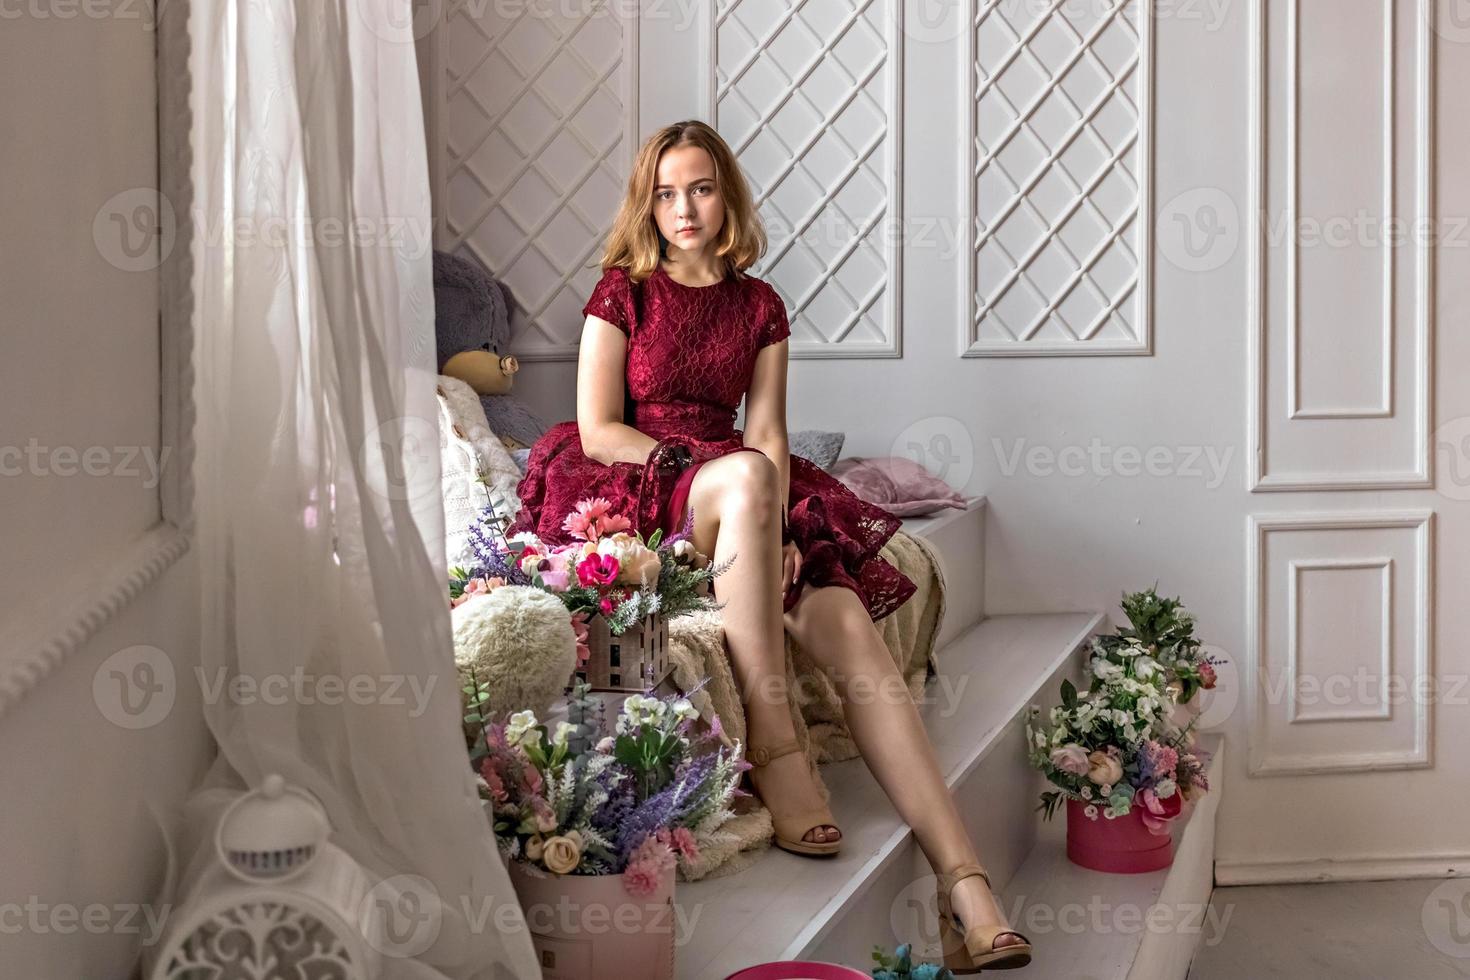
(831, 341)
(1261, 474)
(1296, 569)
(1139, 338)
(537, 335)
(1262, 759)
(39, 643)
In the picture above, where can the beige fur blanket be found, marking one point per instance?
(697, 646)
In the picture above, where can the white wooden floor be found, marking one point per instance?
(1375, 930)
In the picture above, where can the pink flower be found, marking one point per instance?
(1071, 758)
(579, 627)
(591, 520)
(597, 570)
(1157, 814)
(1207, 676)
(531, 780)
(556, 581)
(606, 605)
(476, 586)
(682, 841)
(493, 780)
(653, 852)
(641, 879)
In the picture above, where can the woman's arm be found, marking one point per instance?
(765, 413)
(601, 365)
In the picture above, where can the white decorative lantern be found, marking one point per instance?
(280, 901)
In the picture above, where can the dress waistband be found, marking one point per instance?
(699, 420)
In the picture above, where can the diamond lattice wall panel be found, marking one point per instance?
(806, 93)
(538, 118)
(1057, 177)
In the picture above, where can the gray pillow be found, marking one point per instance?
(821, 448)
(521, 457)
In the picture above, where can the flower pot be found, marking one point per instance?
(587, 927)
(1123, 845)
(798, 970)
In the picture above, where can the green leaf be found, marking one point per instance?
(1069, 695)
(658, 534)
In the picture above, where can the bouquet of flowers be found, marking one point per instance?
(1115, 747)
(899, 965)
(606, 570)
(581, 801)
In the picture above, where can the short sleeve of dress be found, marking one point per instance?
(612, 300)
(774, 329)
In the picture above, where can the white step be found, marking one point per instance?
(1087, 925)
(787, 907)
(958, 538)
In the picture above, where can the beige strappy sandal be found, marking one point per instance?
(973, 950)
(791, 828)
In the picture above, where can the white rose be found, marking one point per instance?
(520, 723)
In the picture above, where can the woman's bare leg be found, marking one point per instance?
(737, 506)
(834, 629)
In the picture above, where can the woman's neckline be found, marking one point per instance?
(685, 285)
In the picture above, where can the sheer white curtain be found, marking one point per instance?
(317, 471)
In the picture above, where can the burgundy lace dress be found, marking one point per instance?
(691, 357)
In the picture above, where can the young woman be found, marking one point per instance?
(676, 320)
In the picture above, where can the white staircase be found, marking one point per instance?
(879, 891)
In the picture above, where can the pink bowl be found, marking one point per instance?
(798, 970)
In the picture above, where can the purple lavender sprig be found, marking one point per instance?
(491, 559)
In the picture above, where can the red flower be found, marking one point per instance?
(597, 569)
(1206, 676)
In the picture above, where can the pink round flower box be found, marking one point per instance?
(798, 970)
(1123, 845)
(587, 927)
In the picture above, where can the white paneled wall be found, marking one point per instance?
(539, 123)
(1230, 188)
(1341, 364)
(1057, 175)
(807, 95)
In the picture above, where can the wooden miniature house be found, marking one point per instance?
(635, 661)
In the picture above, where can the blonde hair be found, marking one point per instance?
(633, 243)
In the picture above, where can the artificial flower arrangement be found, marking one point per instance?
(1116, 747)
(580, 801)
(606, 570)
(900, 965)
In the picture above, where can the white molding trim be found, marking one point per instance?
(1262, 762)
(969, 343)
(892, 347)
(1259, 479)
(41, 648)
(1295, 567)
(1384, 408)
(1447, 864)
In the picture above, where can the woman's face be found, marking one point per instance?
(686, 200)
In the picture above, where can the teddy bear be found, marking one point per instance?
(472, 331)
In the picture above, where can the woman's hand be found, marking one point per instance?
(790, 565)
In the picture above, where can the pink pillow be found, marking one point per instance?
(900, 486)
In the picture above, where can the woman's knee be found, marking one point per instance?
(743, 480)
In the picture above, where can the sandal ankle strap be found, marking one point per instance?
(762, 755)
(948, 880)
